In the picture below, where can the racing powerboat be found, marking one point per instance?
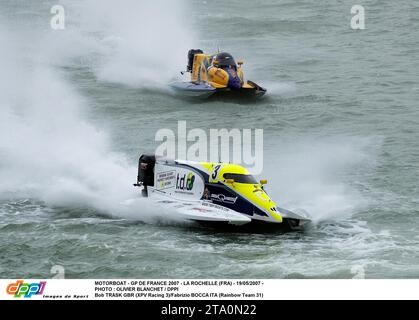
(213, 193)
(217, 74)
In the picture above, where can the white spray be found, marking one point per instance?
(139, 43)
(309, 174)
(47, 150)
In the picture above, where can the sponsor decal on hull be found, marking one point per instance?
(165, 179)
(223, 198)
(185, 182)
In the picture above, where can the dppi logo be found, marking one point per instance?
(186, 182)
(27, 290)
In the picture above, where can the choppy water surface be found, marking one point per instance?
(340, 125)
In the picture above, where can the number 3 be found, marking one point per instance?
(215, 172)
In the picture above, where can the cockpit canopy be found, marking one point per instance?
(241, 178)
(224, 59)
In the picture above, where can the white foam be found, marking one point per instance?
(310, 174)
(48, 151)
(139, 43)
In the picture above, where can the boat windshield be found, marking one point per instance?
(225, 59)
(241, 178)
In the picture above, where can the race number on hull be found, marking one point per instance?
(214, 173)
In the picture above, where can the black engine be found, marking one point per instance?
(145, 175)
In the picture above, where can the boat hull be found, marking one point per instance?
(193, 90)
(255, 226)
(201, 211)
(204, 90)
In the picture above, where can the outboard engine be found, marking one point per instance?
(191, 55)
(145, 176)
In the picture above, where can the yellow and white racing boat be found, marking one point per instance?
(213, 193)
(215, 74)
